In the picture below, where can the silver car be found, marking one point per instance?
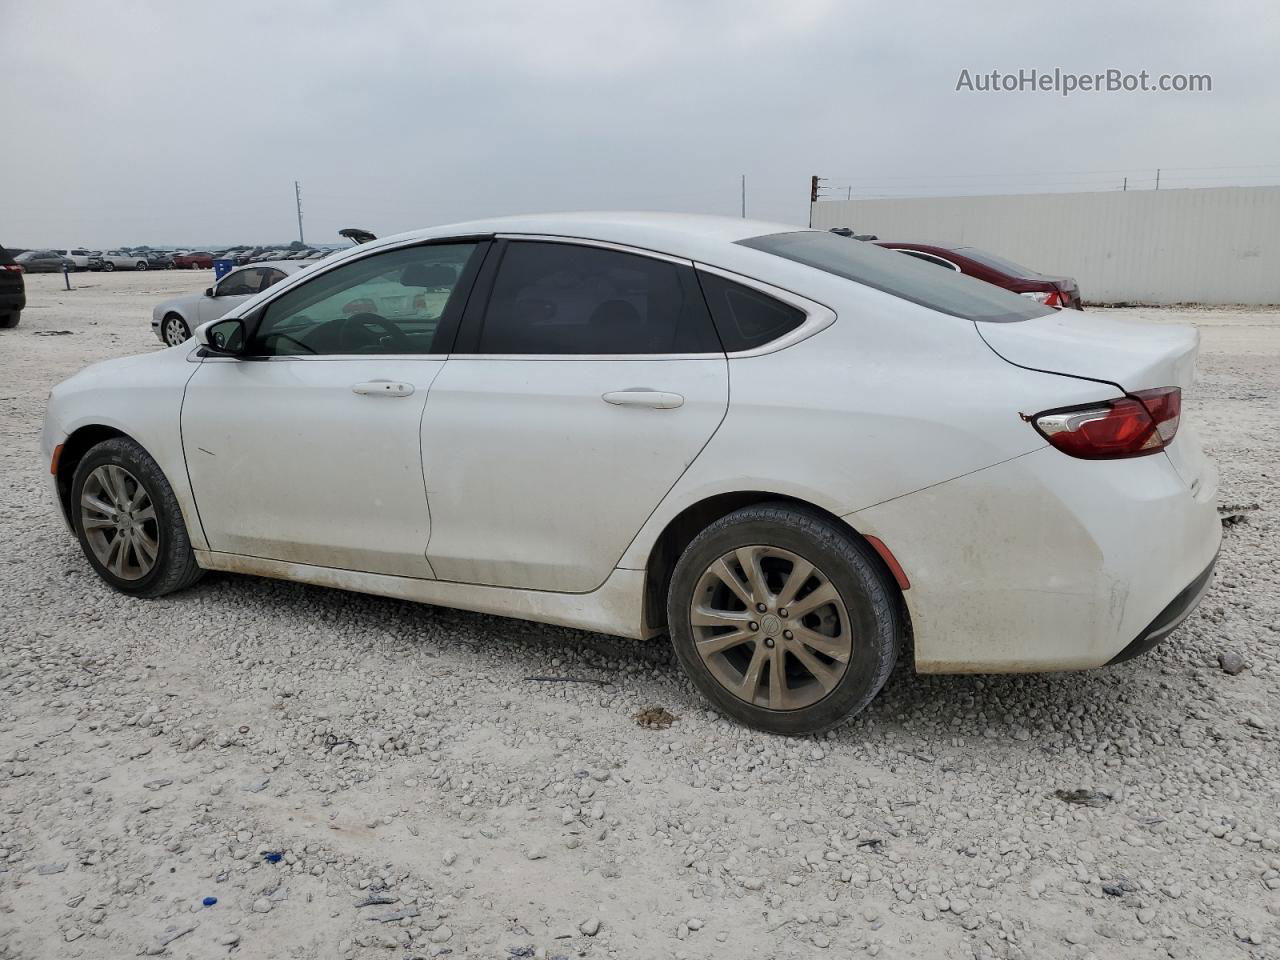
(120, 260)
(173, 320)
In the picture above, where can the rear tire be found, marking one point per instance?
(812, 653)
(128, 522)
(10, 320)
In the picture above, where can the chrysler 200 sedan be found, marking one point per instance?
(788, 452)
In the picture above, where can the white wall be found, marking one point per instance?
(1216, 245)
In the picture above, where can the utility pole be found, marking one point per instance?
(813, 195)
(1157, 178)
(297, 197)
(744, 196)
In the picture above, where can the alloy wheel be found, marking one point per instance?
(119, 522)
(175, 331)
(771, 627)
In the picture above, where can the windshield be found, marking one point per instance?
(907, 277)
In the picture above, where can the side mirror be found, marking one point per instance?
(223, 338)
(208, 291)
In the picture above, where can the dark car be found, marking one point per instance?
(1059, 292)
(159, 261)
(44, 261)
(13, 290)
(195, 260)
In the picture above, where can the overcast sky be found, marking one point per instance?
(177, 123)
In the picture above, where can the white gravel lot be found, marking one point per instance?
(429, 799)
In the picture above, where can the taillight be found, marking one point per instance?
(15, 267)
(1133, 426)
(1050, 298)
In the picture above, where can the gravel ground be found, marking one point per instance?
(352, 776)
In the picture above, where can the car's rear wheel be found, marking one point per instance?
(174, 329)
(783, 618)
(128, 521)
(10, 320)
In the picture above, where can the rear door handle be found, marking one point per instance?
(383, 388)
(640, 397)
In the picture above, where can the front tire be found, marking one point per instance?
(128, 522)
(141, 264)
(784, 618)
(174, 330)
(109, 267)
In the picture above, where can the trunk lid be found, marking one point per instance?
(1131, 354)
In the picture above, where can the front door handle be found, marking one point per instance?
(640, 397)
(383, 388)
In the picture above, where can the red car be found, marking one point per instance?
(1051, 291)
(198, 259)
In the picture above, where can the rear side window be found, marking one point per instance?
(562, 298)
(906, 277)
(746, 318)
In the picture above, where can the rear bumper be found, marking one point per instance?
(1168, 619)
(1046, 562)
(16, 300)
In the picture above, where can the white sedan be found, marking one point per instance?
(173, 320)
(787, 451)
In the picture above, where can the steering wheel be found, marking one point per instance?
(361, 322)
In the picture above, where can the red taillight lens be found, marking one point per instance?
(15, 267)
(1133, 426)
(1165, 406)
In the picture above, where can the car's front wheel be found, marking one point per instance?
(783, 618)
(175, 330)
(141, 264)
(128, 521)
(109, 267)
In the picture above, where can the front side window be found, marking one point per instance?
(389, 303)
(906, 277)
(562, 298)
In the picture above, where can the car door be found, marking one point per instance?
(585, 381)
(306, 448)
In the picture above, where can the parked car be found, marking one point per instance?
(13, 290)
(173, 320)
(44, 261)
(1027, 499)
(158, 260)
(123, 260)
(1061, 292)
(82, 258)
(195, 260)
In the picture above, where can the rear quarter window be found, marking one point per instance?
(905, 277)
(745, 318)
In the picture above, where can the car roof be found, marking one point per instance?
(688, 235)
(285, 266)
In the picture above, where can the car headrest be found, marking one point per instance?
(427, 275)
